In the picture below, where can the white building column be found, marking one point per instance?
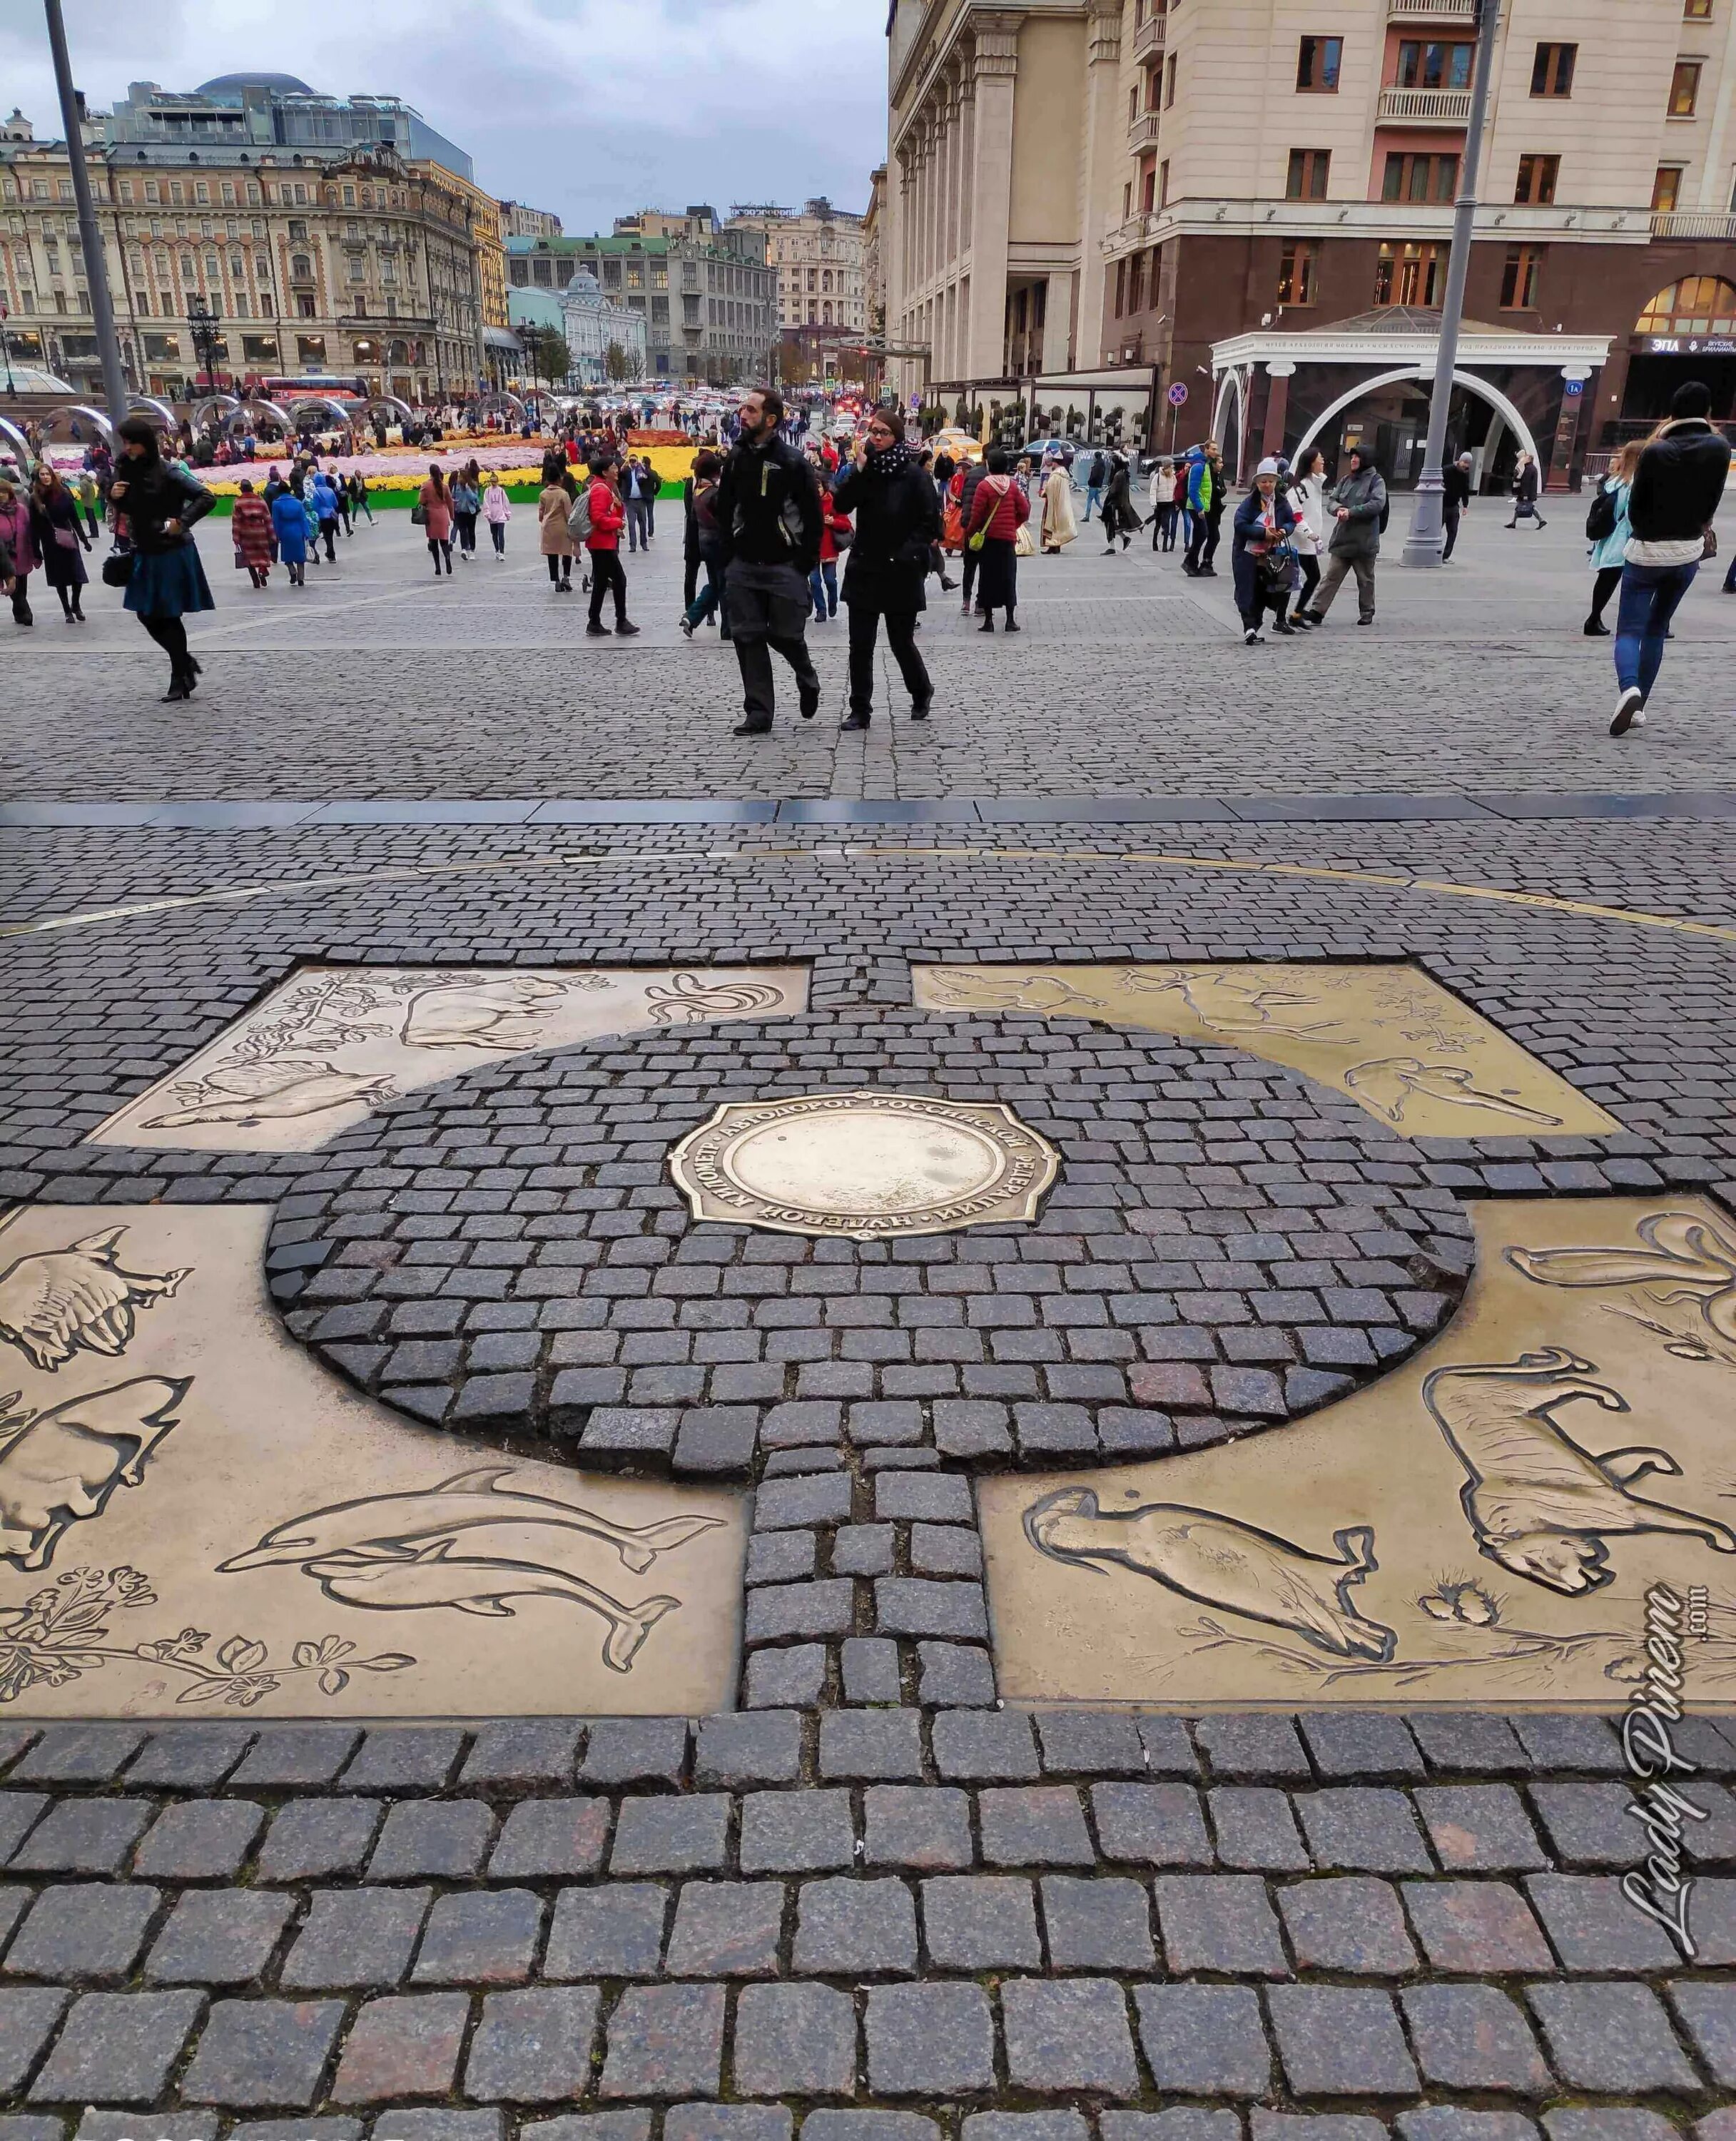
(996, 65)
(1102, 159)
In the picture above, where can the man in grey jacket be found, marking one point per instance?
(1354, 543)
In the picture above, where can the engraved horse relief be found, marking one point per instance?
(459, 1545)
(59, 1467)
(1218, 1560)
(1539, 1504)
(1687, 1268)
(57, 1301)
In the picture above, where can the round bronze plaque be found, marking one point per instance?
(866, 1165)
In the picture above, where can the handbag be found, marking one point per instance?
(1024, 543)
(418, 516)
(1708, 547)
(117, 569)
(66, 538)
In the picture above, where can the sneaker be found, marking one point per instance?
(597, 631)
(808, 699)
(688, 629)
(1628, 711)
(1252, 638)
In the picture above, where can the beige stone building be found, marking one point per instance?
(817, 250)
(1074, 183)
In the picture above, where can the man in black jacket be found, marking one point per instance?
(769, 531)
(1455, 499)
(1676, 491)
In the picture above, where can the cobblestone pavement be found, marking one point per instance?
(870, 1903)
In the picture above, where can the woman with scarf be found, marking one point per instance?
(168, 580)
(15, 533)
(1260, 555)
(61, 541)
(897, 518)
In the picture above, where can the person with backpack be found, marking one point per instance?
(1678, 483)
(1358, 513)
(1205, 480)
(596, 520)
(702, 517)
(1607, 531)
(769, 531)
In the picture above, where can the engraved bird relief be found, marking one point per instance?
(1387, 1086)
(434, 1547)
(688, 998)
(59, 1467)
(1218, 1560)
(1684, 1260)
(250, 1093)
(1226, 1003)
(59, 1300)
(505, 1012)
(1538, 1503)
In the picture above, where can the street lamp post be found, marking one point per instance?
(97, 270)
(203, 321)
(1424, 544)
(6, 347)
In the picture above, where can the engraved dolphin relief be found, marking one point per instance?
(1538, 1503)
(1219, 1562)
(59, 1300)
(1386, 1086)
(383, 1579)
(59, 1467)
(247, 1093)
(465, 1501)
(1684, 1259)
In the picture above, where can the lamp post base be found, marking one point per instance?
(1427, 536)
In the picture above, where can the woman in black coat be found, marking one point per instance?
(167, 580)
(897, 521)
(61, 540)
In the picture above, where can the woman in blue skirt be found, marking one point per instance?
(168, 580)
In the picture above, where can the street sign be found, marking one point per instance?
(1178, 394)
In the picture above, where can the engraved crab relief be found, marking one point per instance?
(55, 1302)
(1388, 1037)
(333, 1043)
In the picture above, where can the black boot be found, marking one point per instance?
(180, 685)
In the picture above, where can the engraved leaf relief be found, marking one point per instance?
(59, 1468)
(463, 1545)
(55, 1302)
(1686, 1272)
(63, 1633)
(1539, 1504)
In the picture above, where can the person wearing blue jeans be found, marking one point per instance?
(822, 584)
(1677, 486)
(1097, 477)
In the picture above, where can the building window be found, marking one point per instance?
(304, 306)
(1536, 181)
(1410, 275)
(1133, 104)
(1552, 69)
(1696, 11)
(1298, 273)
(1163, 184)
(1697, 305)
(1417, 178)
(1666, 188)
(1684, 89)
(1433, 65)
(1307, 176)
(1169, 81)
(1318, 60)
(1519, 278)
(1136, 285)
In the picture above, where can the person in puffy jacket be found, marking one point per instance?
(608, 517)
(289, 527)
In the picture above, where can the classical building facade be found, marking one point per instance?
(874, 255)
(595, 325)
(327, 237)
(706, 296)
(1075, 184)
(816, 251)
(519, 221)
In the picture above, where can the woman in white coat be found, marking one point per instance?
(1307, 496)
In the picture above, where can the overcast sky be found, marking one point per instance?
(592, 108)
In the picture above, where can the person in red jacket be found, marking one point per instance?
(822, 580)
(999, 509)
(608, 517)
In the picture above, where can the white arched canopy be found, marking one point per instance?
(149, 405)
(81, 412)
(1468, 380)
(343, 411)
(210, 404)
(1232, 383)
(12, 439)
(497, 404)
(391, 403)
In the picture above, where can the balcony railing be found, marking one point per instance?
(1680, 223)
(1148, 37)
(1142, 134)
(1437, 107)
(1440, 11)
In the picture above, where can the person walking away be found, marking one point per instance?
(1057, 527)
(822, 580)
(1678, 483)
(341, 492)
(708, 602)
(1201, 481)
(90, 500)
(653, 483)
(435, 500)
(466, 505)
(275, 485)
(690, 546)
(632, 485)
(1354, 543)
(1455, 500)
(1607, 530)
(250, 524)
(997, 512)
(1161, 494)
(607, 517)
(1096, 476)
(325, 510)
(554, 508)
(1526, 484)
(61, 541)
(289, 527)
(1260, 555)
(769, 527)
(357, 487)
(1214, 509)
(497, 510)
(964, 485)
(1119, 515)
(15, 532)
(897, 510)
(937, 553)
(168, 580)
(1307, 496)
